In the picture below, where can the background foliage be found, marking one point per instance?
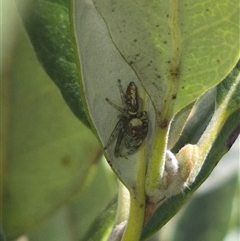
(48, 195)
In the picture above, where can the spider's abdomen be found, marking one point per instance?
(137, 128)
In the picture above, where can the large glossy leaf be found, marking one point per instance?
(48, 151)
(177, 49)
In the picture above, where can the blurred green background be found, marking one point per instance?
(55, 181)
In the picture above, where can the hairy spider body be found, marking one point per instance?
(132, 127)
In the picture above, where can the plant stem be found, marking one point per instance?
(137, 206)
(155, 166)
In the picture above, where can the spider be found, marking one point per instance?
(132, 126)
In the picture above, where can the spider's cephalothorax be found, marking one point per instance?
(132, 126)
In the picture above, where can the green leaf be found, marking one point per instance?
(2, 236)
(73, 219)
(49, 153)
(102, 225)
(177, 49)
(207, 216)
(86, 208)
(48, 26)
(57, 227)
(199, 119)
(178, 124)
(230, 90)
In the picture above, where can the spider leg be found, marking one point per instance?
(116, 107)
(133, 142)
(142, 115)
(122, 94)
(119, 142)
(131, 149)
(114, 133)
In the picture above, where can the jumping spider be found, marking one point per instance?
(132, 126)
